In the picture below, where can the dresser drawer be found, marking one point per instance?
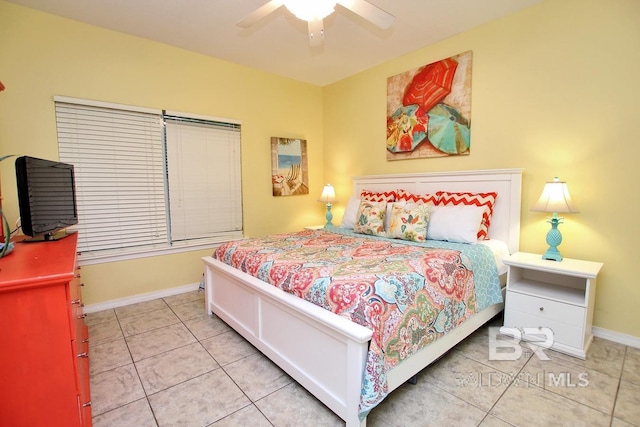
(77, 308)
(545, 310)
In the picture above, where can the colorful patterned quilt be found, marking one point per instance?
(409, 294)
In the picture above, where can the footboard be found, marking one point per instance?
(322, 351)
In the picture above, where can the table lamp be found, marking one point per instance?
(328, 196)
(555, 199)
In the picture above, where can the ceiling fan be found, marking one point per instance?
(314, 11)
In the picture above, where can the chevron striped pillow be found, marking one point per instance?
(378, 196)
(486, 200)
(405, 196)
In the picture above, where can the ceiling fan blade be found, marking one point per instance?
(369, 12)
(259, 13)
(316, 32)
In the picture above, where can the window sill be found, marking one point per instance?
(102, 257)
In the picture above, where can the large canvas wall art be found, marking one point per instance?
(429, 110)
(289, 170)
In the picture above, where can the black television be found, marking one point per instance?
(46, 197)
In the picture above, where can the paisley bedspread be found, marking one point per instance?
(409, 294)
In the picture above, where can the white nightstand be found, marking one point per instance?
(555, 295)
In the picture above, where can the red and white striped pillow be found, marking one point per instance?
(377, 196)
(486, 200)
(405, 196)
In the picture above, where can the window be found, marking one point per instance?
(199, 154)
(148, 180)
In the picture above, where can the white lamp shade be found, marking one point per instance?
(308, 10)
(555, 198)
(328, 194)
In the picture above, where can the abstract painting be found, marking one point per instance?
(429, 110)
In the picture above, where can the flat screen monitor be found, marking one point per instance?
(46, 197)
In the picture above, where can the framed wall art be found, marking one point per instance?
(289, 170)
(429, 110)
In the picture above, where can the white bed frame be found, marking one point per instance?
(324, 352)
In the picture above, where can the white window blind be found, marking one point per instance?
(203, 166)
(118, 161)
(141, 187)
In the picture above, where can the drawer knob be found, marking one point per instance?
(75, 301)
(541, 308)
(84, 405)
(83, 355)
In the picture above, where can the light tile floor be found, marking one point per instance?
(166, 363)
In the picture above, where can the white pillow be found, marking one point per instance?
(458, 224)
(350, 213)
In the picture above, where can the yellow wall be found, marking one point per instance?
(42, 55)
(556, 91)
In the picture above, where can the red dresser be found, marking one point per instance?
(44, 358)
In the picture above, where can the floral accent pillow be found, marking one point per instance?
(370, 218)
(409, 222)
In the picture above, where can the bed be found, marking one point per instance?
(329, 354)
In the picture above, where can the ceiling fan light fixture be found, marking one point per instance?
(310, 10)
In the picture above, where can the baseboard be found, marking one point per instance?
(92, 308)
(618, 337)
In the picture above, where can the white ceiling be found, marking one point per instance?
(278, 43)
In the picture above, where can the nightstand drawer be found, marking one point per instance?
(545, 310)
(562, 333)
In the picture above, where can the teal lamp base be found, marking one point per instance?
(329, 216)
(554, 238)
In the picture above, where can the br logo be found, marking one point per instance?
(505, 342)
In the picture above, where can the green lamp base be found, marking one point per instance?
(554, 238)
(329, 216)
(552, 254)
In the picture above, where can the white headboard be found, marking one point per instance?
(505, 221)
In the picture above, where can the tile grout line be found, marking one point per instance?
(222, 367)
